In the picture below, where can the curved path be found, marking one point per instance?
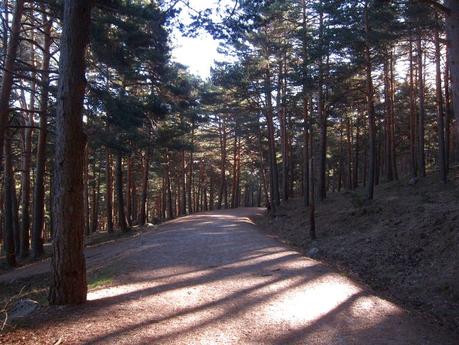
(213, 278)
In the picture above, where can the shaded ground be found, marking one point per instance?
(214, 279)
(404, 244)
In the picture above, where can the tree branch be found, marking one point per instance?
(436, 5)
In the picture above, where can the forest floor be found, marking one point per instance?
(404, 244)
(214, 278)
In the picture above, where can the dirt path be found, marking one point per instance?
(214, 279)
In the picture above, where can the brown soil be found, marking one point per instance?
(214, 279)
(404, 244)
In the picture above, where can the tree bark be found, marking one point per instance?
(122, 223)
(223, 154)
(452, 30)
(143, 200)
(421, 94)
(371, 112)
(448, 113)
(322, 118)
(440, 112)
(68, 273)
(8, 68)
(274, 177)
(413, 161)
(109, 192)
(38, 211)
(9, 231)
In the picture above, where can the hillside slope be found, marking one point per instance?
(404, 244)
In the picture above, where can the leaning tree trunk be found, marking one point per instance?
(8, 69)
(68, 272)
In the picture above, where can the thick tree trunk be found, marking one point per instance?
(8, 68)
(68, 273)
(452, 29)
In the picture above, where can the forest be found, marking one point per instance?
(105, 134)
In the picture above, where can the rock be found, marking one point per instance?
(312, 253)
(413, 181)
(22, 308)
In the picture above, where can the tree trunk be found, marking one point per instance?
(8, 68)
(9, 231)
(170, 210)
(122, 223)
(143, 200)
(109, 192)
(129, 191)
(38, 211)
(283, 129)
(387, 122)
(95, 199)
(440, 113)
(222, 136)
(452, 29)
(274, 178)
(183, 184)
(86, 190)
(448, 114)
(349, 152)
(421, 94)
(356, 153)
(371, 112)
(413, 121)
(322, 115)
(68, 273)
